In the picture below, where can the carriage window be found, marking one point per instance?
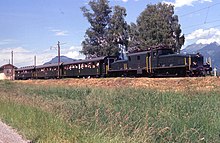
(138, 57)
(93, 64)
(97, 64)
(90, 65)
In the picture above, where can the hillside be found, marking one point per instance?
(62, 59)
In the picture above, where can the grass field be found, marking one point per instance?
(94, 115)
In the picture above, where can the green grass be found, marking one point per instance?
(67, 114)
(37, 125)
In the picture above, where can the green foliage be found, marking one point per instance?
(106, 31)
(156, 26)
(95, 38)
(118, 28)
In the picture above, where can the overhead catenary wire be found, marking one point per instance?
(208, 28)
(195, 25)
(207, 15)
(189, 13)
(205, 19)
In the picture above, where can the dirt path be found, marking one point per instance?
(162, 84)
(8, 135)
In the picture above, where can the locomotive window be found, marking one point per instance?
(165, 52)
(129, 58)
(138, 57)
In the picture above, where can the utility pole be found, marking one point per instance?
(12, 72)
(58, 50)
(35, 60)
(58, 45)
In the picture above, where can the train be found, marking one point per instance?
(159, 62)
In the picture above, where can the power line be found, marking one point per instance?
(208, 28)
(195, 25)
(207, 14)
(200, 9)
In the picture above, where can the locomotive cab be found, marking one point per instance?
(198, 68)
(197, 60)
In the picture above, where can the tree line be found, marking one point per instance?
(109, 33)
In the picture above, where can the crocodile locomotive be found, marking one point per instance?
(160, 62)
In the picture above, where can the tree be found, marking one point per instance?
(118, 29)
(177, 31)
(106, 32)
(156, 26)
(95, 36)
(134, 42)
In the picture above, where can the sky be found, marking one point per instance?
(33, 27)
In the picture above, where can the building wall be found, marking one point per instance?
(2, 76)
(6, 72)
